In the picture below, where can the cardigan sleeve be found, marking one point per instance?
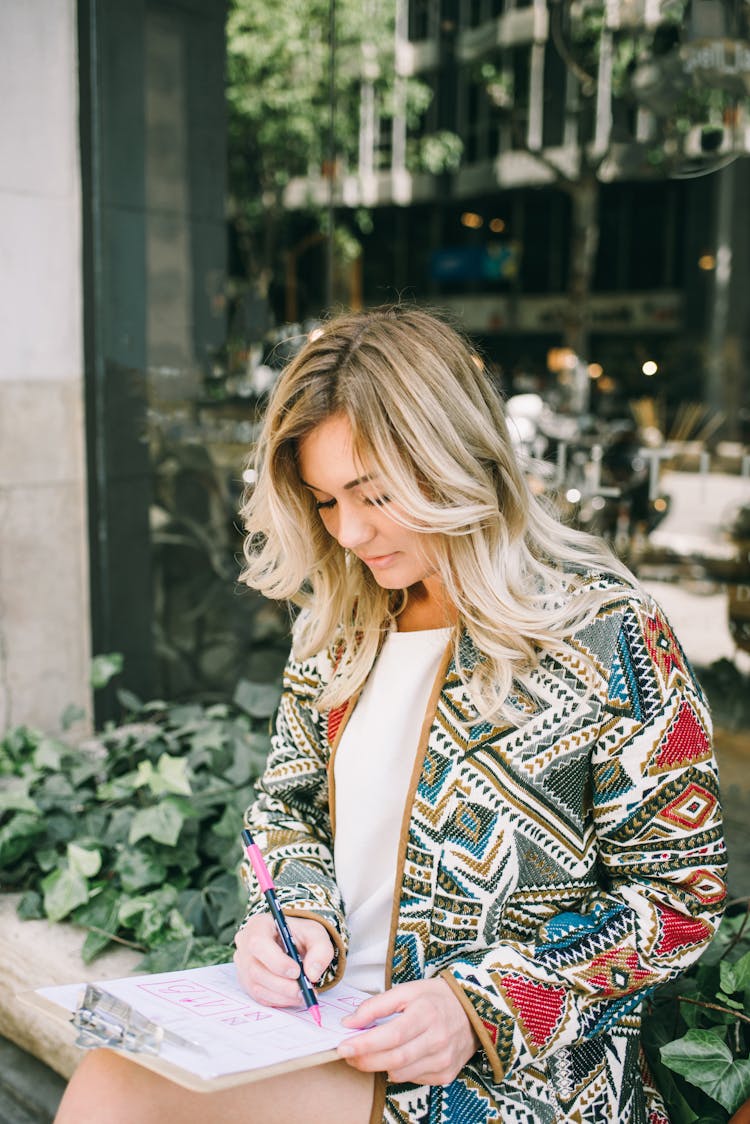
(660, 893)
(291, 817)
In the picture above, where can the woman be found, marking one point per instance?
(491, 794)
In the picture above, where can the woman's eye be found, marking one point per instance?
(326, 505)
(377, 501)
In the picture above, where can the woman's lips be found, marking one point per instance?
(379, 561)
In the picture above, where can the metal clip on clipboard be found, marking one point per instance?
(102, 1019)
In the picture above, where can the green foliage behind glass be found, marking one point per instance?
(133, 834)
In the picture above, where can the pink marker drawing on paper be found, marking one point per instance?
(269, 893)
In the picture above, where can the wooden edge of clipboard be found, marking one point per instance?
(174, 1072)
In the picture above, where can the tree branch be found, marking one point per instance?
(116, 939)
(588, 82)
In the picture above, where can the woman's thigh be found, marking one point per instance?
(108, 1088)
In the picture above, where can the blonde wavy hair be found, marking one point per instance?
(426, 418)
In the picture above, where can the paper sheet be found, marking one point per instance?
(208, 1007)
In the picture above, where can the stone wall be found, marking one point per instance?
(44, 602)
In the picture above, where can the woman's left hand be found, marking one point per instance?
(428, 1043)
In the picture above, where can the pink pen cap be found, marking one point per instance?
(265, 881)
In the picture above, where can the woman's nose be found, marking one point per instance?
(353, 527)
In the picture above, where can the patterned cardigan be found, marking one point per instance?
(553, 873)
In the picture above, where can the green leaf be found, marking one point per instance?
(71, 715)
(14, 795)
(258, 699)
(217, 710)
(162, 822)
(728, 977)
(100, 916)
(31, 906)
(56, 791)
(727, 1000)
(218, 906)
(742, 973)
(128, 701)
(49, 754)
(118, 828)
(731, 926)
(228, 900)
(81, 768)
(150, 915)
(179, 927)
(210, 737)
(59, 827)
(63, 889)
(17, 746)
(104, 668)
(192, 905)
(131, 909)
(94, 944)
(93, 825)
(83, 860)
(206, 951)
(186, 715)
(186, 857)
(171, 776)
(138, 870)
(692, 1015)
(659, 1029)
(172, 956)
(155, 705)
(706, 1062)
(249, 756)
(143, 774)
(47, 858)
(120, 788)
(18, 836)
(192, 952)
(230, 825)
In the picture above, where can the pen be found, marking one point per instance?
(269, 893)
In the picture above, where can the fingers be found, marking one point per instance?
(265, 970)
(313, 944)
(277, 995)
(379, 1006)
(259, 940)
(408, 1061)
(396, 1042)
(401, 1053)
(427, 1042)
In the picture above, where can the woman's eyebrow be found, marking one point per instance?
(346, 487)
(358, 481)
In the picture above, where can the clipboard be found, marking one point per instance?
(188, 1048)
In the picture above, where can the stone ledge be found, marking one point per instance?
(42, 954)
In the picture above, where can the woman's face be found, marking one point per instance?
(356, 510)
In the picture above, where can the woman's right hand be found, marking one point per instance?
(265, 971)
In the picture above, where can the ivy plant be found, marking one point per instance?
(696, 1030)
(133, 834)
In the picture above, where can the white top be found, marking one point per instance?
(372, 769)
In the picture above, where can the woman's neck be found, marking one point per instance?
(426, 607)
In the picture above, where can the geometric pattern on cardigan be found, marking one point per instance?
(554, 873)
